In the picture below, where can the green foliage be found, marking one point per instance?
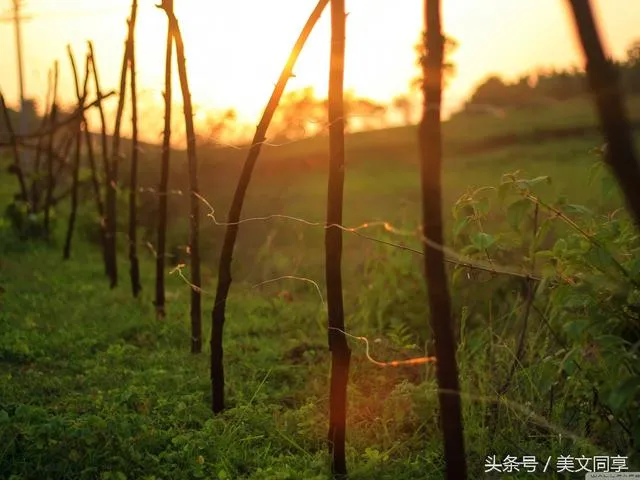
(92, 387)
(25, 224)
(552, 85)
(586, 297)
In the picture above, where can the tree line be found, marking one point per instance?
(550, 85)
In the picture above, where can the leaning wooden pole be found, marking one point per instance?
(194, 238)
(95, 181)
(161, 247)
(36, 181)
(97, 192)
(430, 139)
(134, 268)
(233, 217)
(76, 162)
(50, 154)
(605, 87)
(112, 182)
(340, 352)
(105, 159)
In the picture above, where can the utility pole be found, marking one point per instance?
(16, 22)
(16, 17)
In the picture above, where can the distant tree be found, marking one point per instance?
(216, 126)
(561, 84)
(633, 52)
(362, 113)
(490, 92)
(299, 114)
(404, 105)
(631, 68)
(302, 114)
(549, 86)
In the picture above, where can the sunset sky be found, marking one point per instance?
(236, 49)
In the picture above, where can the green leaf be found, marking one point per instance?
(526, 184)
(608, 186)
(576, 328)
(457, 273)
(542, 285)
(548, 270)
(568, 363)
(600, 259)
(460, 225)
(482, 241)
(541, 233)
(503, 191)
(574, 208)
(595, 171)
(482, 206)
(509, 240)
(621, 397)
(560, 247)
(517, 211)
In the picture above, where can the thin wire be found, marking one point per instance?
(392, 363)
(454, 257)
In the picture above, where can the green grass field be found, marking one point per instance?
(93, 386)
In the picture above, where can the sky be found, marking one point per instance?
(236, 49)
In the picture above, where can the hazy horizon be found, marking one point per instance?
(380, 59)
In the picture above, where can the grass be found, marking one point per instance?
(96, 386)
(92, 386)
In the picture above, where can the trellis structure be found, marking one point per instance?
(621, 157)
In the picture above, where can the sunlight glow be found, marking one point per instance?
(235, 50)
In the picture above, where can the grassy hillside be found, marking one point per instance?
(382, 181)
(92, 386)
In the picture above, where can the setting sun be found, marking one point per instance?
(235, 50)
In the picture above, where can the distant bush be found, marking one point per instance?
(547, 86)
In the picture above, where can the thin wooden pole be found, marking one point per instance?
(161, 248)
(430, 140)
(340, 352)
(233, 217)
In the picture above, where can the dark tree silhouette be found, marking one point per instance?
(134, 272)
(50, 153)
(78, 152)
(105, 157)
(231, 233)
(112, 182)
(164, 174)
(194, 240)
(430, 139)
(603, 81)
(340, 352)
